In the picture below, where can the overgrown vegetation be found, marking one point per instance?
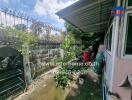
(87, 39)
(25, 39)
(72, 51)
(69, 51)
(64, 77)
(88, 91)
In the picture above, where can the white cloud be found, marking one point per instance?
(50, 7)
(5, 1)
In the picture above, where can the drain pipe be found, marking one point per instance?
(115, 45)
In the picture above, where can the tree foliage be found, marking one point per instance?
(87, 38)
(62, 78)
(21, 27)
(69, 51)
(25, 38)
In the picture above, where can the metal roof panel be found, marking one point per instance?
(88, 15)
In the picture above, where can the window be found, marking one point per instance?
(129, 36)
(109, 38)
(129, 2)
(106, 41)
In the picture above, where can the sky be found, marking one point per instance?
(43, 10)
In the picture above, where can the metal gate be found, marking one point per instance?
(11, 72)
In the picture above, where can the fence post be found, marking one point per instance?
(27, 69)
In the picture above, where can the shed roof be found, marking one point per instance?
(88, 15)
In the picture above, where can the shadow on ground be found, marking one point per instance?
(88, 91)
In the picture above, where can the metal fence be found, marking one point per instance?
(12, 18)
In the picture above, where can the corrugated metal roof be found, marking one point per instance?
(88, 15)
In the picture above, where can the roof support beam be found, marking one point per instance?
(105, 22)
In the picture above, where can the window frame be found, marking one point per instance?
(127, 4)
(107, 39)
(125, 34)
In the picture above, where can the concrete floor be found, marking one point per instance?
(43, 88)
